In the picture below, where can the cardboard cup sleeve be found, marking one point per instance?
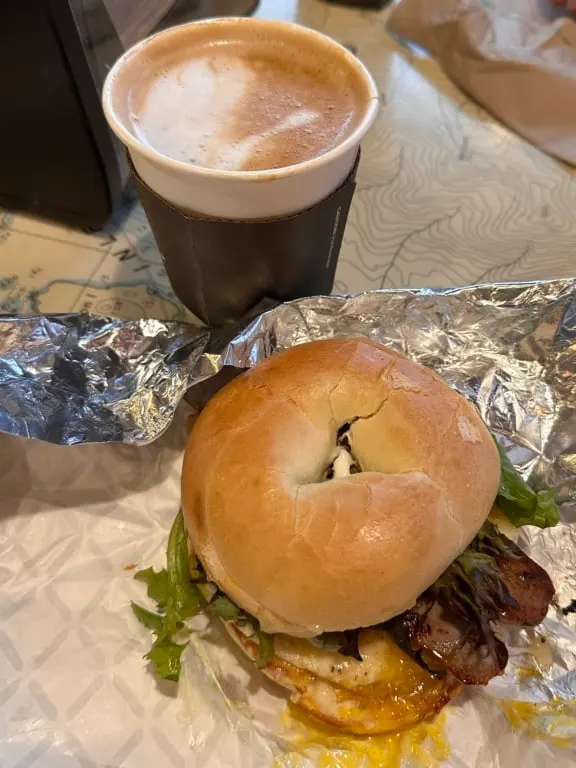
(221, 268)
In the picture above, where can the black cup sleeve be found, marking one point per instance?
(220, 268)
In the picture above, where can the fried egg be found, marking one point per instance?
(386, 691)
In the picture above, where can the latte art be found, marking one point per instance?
(244, 105)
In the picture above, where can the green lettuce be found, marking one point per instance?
(174, 590)
(176, 598)
(521, 504)
(225, 609)
(265, 648)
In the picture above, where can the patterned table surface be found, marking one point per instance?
(446, 196)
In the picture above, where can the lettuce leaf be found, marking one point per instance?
(265, 649)
(157, 583)
(521, 504)
(165, 656)
(177, 598)
(224, 608)
(151, 620)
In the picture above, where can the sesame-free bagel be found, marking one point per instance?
(304, 551)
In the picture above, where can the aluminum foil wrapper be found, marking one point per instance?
(75, 520)
(78, 379)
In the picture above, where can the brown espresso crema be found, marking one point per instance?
(244, 101)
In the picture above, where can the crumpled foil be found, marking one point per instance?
(75, 520)
(80, 379)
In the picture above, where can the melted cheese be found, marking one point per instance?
(423, 746)
(386, 691)
(553, 720)
(380, 660)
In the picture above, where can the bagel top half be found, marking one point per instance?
(304, 554)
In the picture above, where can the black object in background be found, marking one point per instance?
(58, 157)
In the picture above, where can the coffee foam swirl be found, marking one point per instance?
(244, 103)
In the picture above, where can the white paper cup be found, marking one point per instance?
(237, 194)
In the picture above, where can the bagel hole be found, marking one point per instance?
(344, 462)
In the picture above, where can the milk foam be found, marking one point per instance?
(236, 156)
(235, 107)
(188, 108)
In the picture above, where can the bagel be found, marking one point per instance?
(324, 491)
(329, 486)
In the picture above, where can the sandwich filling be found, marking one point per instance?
(453, 628)
(343, 460)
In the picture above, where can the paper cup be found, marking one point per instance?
(221, 269)
(238, 194)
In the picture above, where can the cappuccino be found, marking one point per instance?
(241, 118)
(245, 102)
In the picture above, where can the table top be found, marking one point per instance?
(446, 196)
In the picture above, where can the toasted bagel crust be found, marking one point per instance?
(306, 556)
